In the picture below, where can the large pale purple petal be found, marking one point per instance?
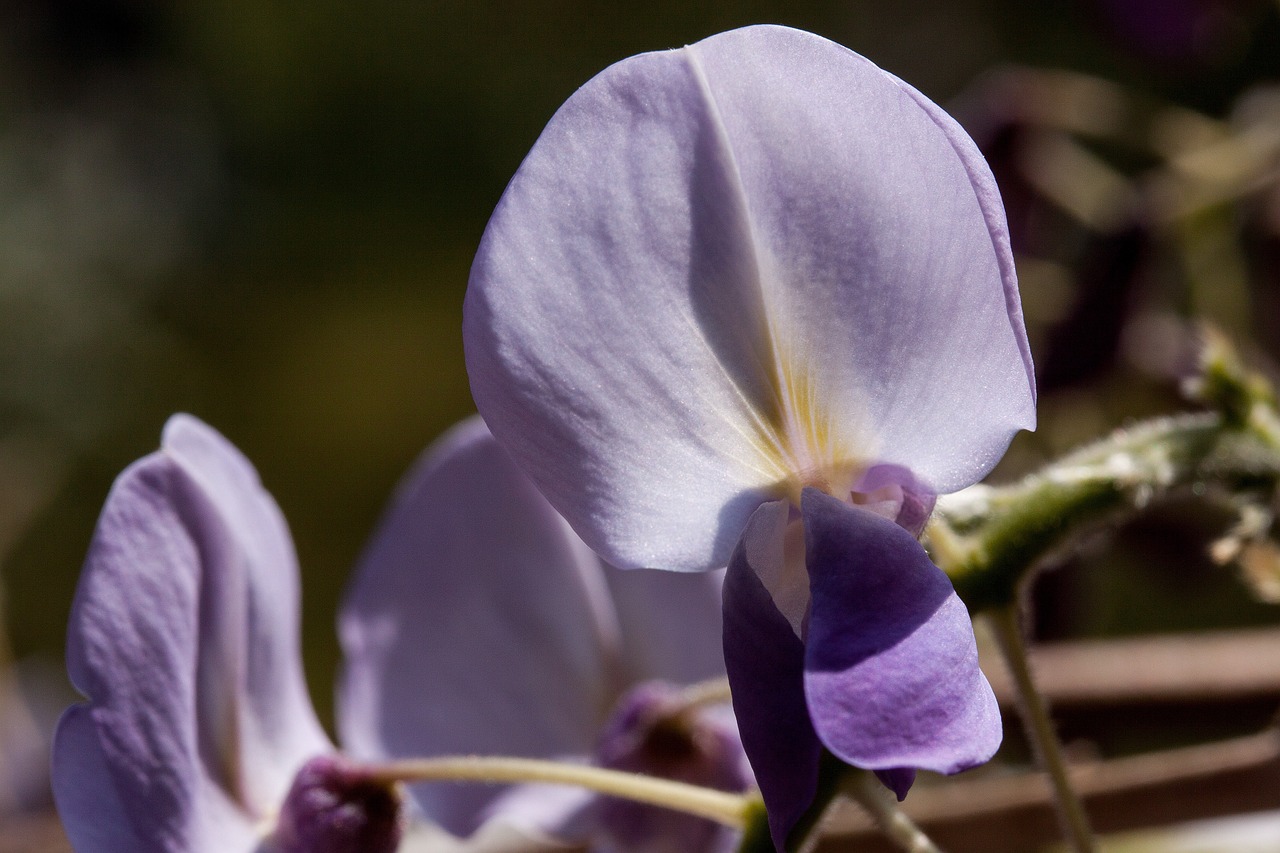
(183, 636)
(765, 660)
(93, 812)
(477, 623)
(671, 623)
(728, 270)
(890, 280)
(567, 814)
(891, 666)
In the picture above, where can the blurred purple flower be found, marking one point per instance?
(477, 623)
(184, 636)
(476, 592)
(752, 303)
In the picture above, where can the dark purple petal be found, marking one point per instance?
(899, 780)
(891, 665)
(765, 661)
(183, 636)
(477, 622)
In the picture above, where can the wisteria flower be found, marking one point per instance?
(751, 303)
(480, 623)
(198, 734)
(184, 636)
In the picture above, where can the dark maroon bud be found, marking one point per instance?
(655, 733)
(336, 806)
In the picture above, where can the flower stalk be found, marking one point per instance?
(1039, 728)
(719, 806)
(990, 539)
(714, 691)
(863, 788)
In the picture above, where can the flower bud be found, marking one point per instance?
(335, 806)
(654, 732)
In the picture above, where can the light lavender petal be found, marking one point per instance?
(671, 623)
(477, 622)
(724, 269)
(249, 613)
(187, 736)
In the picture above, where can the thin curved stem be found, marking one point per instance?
(863, 788)
(720, 806)
(714, 691)
(1040, 731)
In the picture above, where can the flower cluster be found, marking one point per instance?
(476, 623)
(747, 304)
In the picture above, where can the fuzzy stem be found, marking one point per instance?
(720, 806)
(714, 691)
(989, 539)
(1044, 740)
(863, 788)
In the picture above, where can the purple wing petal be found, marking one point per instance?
(94, 794)
(765, 660)
(898, 779)
(187, 736)
(725, 268)
(477, 623)
(89, 800)
(891, 666)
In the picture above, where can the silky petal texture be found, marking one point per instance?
(475, 592)
(671, 624)
(184, 638)
(891, 664)
(476, 623)
(765, 661)
(564, 813)
(728, 270)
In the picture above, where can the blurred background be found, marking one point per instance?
(263, 212)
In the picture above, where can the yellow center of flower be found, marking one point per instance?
(800, 442)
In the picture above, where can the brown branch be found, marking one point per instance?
(1170, 668)
(1014, 813)
(32, 833)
